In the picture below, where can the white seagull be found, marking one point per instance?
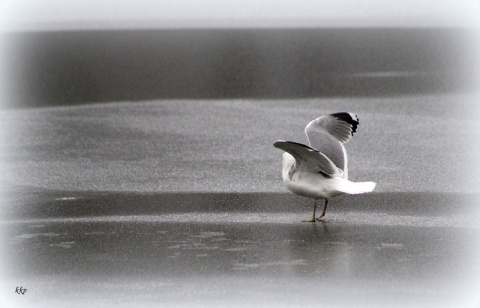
(319, 171)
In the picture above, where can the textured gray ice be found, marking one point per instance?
(413, 143)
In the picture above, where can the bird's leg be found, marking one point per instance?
(324, 210)
(314, 210)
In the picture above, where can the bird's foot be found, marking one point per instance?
(321, 218)
(309, 220)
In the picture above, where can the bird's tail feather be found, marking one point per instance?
(348, 187)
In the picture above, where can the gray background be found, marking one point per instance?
(137, 166)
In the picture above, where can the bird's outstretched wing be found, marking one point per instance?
(340, 125)
(327, 134)
(308, 159)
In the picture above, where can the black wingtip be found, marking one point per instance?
(350, 118)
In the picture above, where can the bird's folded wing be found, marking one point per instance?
(308, 159)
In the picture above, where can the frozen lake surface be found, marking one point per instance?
(375, 250)
(405, 144)
(180, 203)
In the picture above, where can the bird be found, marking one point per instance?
(319, 170)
